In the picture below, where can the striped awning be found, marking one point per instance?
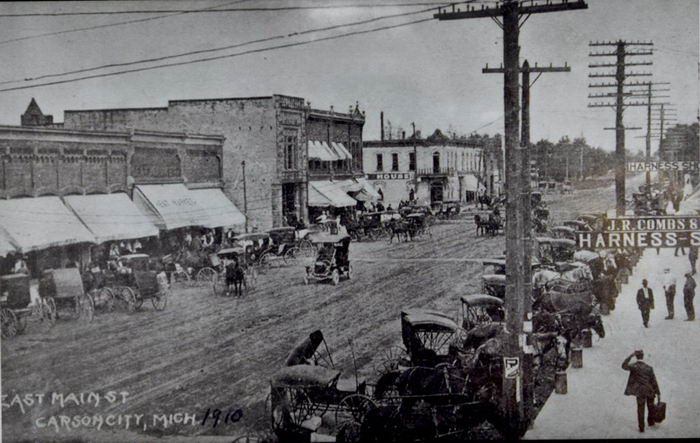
(343, 153)
(320, 151)
(326, 193)
(42, 222)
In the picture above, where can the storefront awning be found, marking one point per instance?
(471, 183)
(111, 216)
(325, 193)
(42, 222)
(6, 245)
(343, 153)
(174, 206)
(351, 185)
(318, 151)
(368, 190)
(221, 211)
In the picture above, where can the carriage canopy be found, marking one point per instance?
(305, 375)
(481, 300)
(305, 350)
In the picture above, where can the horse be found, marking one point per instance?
(400, 228)
(482, 226)
(495, 223)
(484, 199)
(235, 276)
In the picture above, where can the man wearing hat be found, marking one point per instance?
(688, 295)
(645, 302)
(641, 384)
(669, 291)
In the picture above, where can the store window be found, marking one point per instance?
(394, 162)
(411, 161)
(380, 162)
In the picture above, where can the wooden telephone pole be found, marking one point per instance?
(648, 94)
(507, 14)
(620, 75)
(525, 71)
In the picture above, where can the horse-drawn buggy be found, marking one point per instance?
(427, 336)
(564, 232)
(479, 309)
(308, 387)
(285, 245)
(577, 225)
(235, 271)
(449, 209)
(372, 226)
(418, 224)
(553, 250)
(332, 260)
(63, 289)
(15, 304)
(595, 222)
(136, 280)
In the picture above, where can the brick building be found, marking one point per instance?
(265, 142)
(336, 177)
(62, 187)
(432, 169)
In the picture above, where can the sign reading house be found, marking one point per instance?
(643, 232)
(662, 166)
(391, 176)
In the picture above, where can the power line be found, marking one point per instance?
(92, 28)
(221, 48)
(219, 57)
(254, 9)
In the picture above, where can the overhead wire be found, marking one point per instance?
(108, 25)
(221, 48)
(219, 57)
(251, 9)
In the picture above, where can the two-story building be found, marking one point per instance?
(428, 170)
(264, 152)
(64, 190)
(336, 178)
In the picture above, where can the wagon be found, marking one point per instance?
(250, 274)
(16, 305)
(552, 250)
(283, 246)
(332, 261)
(139, 283)
(62, 289)
(427, 336)
(419, 223)
(494, 285)
(478, 309)
(564, 232)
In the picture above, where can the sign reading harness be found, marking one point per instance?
(662, 166)
(643, 232)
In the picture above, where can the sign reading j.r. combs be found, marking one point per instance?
(644, 232)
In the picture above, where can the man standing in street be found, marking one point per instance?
(688, 295)
(641, 384)
(645, 302)
(669, 291)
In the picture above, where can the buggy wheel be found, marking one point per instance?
(9, 322)
(335, 277)
(21, 323)
(392, 359)
(160, 300)
(306, 248)
(107, 295)
(264, 261)
(127, 298)
(291, 255)
(292, 409)
(85, 310)
(206, 275)
(49, 311)
(354, 407)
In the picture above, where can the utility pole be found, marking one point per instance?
(620, 75)
(525, 70)
(415, 162)
(648, 94)
(518, 251)
(245, 197)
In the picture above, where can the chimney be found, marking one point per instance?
(381, 123)
(403, 135)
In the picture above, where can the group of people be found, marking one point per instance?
(645, 296)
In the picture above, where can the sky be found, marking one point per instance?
(428, 73)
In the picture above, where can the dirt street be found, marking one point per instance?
(206, 352)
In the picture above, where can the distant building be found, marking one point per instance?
(432, 169)
(33, 116)
(268, 134)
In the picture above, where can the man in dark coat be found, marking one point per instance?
(689, 295)
(641, 384)
(693, 257)
(645, 302)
